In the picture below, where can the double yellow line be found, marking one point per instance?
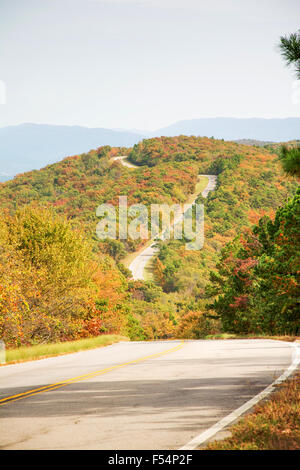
(80, 378)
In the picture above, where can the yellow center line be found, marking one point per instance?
(80, 378)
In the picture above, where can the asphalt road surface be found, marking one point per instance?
(123, 159)
(135, 395)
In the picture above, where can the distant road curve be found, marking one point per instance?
(123, 159)
(137, 266)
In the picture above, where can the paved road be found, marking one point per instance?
(137, 267)
(159, 402)
(123, 159)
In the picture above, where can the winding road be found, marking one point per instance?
(139, 395)
(138, 265)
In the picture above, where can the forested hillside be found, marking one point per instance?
(51, 288)
(256, 283)
(251, 183)
(75, 186)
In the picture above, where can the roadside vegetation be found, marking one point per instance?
(272, 425)
(41, 351)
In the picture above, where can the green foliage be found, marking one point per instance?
(195, 325)
(45, 241)
(290, 160)
(203, 151)
(221, 163)
(45, 272)
(134, 329)
(257, 283)
(115, 249)
(290, 50)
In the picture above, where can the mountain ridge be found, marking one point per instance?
(266, 129)
(30, 146)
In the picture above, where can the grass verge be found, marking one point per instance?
(148, 270)
(200, 186)
(273, 425)
(40, 351)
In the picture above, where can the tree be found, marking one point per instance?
(52, 286)
(290, 51)
(290, 160)
(114, 248)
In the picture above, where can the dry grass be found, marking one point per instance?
(40, 351)
(273, 425)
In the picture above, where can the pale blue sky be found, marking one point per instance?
(144, 63)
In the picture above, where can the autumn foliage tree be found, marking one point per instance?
(257, 282)
(52, 287)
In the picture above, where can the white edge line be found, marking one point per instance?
(205, 435)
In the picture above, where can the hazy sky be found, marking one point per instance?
(144, 63)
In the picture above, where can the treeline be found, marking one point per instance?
(249, 192)
(203, 150)
(250, 184)
(256, 283)
(59, 282)
(75, 187)
(55, 287)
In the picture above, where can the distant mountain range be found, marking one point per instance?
(275, 130)
(31, 146)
